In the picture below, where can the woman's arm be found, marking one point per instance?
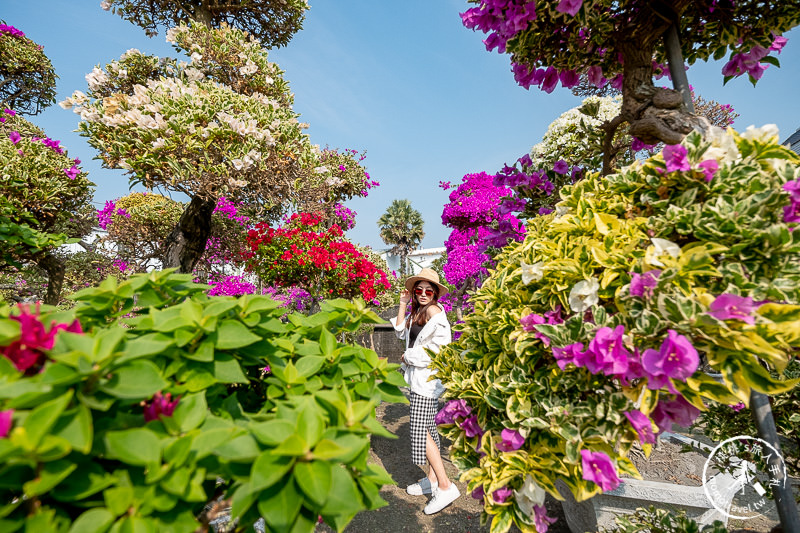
(399, 322)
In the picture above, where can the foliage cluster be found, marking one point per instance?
(27, 78)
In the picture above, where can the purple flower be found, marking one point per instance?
(541, 520)
(778, 43)
(791, 213)
(160, 405)
(5, 422)
(572, 353)
(675, 158)
(478, 493)
(501, 494)
(569, 78)
(545, 210)
(793, 188)
(14, 136)
(607, 353)
(72, 172)
(9, 112)
(733, 307)
(550, 79)
(595, 75)
(453, 409)
(676, 410)
(511, 440)
(642, 425)
(737, 407)
(709, 168)
(642, 285)
(597, 467)
(561, 167)
(677, 359)
(471, 427)
(570, 7)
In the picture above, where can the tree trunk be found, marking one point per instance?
(187, 242)
(55, 277)
(202, 14)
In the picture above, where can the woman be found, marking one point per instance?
(426, 328)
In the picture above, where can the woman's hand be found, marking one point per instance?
(405, 296)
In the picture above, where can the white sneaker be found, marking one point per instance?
(442, 498)
(423, 486)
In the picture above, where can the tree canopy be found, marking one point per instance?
(401, 226)
(27, 78)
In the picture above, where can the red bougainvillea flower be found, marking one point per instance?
(28, 353)
(599, 468)
(5, 422)
(160, 405)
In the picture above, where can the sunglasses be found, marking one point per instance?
(419, 291)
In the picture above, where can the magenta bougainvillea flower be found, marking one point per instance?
(676, 410)
(15, 137)
(642, 425)
(160, 405)
(28, 353)
(5, 422)
(733, 307)
(677, 359)
(572, 353)
(675, 158)
(738, 406)
(501, 494)
(709, 168)
(560, 167)
(471, 427)
(541, 520)
(642, 285)
(570, 7)
(511, 440)
(453, 410)
(478, 493)
(599, 468)
(607, 353)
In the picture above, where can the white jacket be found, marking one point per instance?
(434, 334)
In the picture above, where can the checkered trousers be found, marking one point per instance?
(423, 414)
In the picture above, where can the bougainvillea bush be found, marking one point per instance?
(321, 261)
(149, 400)
(588, 336)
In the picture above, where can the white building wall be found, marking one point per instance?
(417, 260)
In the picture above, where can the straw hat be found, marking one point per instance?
(427, 274)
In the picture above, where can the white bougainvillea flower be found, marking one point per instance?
(766, 133)
(529, 495)
(723, 145)
(533, 272)
(659, 248)
(584, 295)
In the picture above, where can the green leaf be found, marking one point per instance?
(272, 432)
(314, 479)
(309, 365)
(327, 343)
(9, 331)
(96, 520)
(310, 423)
(227, 370)
(206, 442)
(242, 449)
(118, 499)
(50, 475)
(232, 334)
(279, 505)
(139, 379)
(76, 428)
(138, 446)
(268, 469)
(191, 411)
(344, 498)
(150, 344)
(293, 446)
(42, 418)
(204, 352)
(106, 343)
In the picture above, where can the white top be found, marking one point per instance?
(434, 334)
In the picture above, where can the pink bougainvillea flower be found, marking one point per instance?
(778, 43)
(550, 80)
(478, 493)
(676, 410)
(15, 137)
(677, 359)
(27, 353)
(511, 440)
(471, 427)
(453, 410)
(569, 79)
(675, 158)
(560, 167)
(642, 425)
(709, 168)
(5, 422)
(607, 353)
(598, 468)
(595, 76)
(528, 322)
(642, 285)
(72, 172)
(501, 494)
(541, 520)
(572, 353)
(570, 7)
(738, 406)
(793, 188)
(733, 307)
(160, 405)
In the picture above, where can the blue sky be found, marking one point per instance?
(404, 81)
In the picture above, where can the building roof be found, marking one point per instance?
(793, 141)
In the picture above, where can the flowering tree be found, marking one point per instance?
(27, 78)
(44, 190)
(273, 22)
(221, 125)
(588, 337)
(321, 261)
(401, 226)
(624, 43)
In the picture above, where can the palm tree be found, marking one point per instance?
(401, 226)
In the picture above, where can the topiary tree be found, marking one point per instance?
(27, 78)
(401, 226)
(273, 22)
(44, 190)
(627, 42)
